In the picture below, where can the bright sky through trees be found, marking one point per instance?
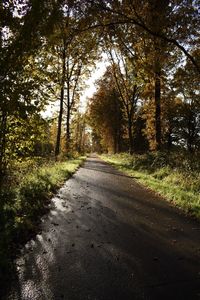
(90, 89)
(96, 74)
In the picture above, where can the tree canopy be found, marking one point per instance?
(148, 95)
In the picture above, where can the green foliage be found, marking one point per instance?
(174, 175)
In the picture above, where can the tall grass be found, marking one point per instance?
(176, 176)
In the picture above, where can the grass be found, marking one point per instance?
(175, 176)
(24, 198)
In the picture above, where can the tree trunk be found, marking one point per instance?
(191, 132)
(68, 129)
(158, 110)
(57, 148)
(158, 17)
(130, 135)
(3, 142)
(67, 140)
(115, 143)
(83, 138)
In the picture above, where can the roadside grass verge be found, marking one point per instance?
(174, 176)
(24, 198)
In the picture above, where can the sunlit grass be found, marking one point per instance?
(166, 174)
(38, 186)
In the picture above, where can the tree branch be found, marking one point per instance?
(129, 20)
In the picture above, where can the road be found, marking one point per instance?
(108, 238)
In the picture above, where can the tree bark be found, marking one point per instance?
(158, 110)
(68, 119)
(57, 148)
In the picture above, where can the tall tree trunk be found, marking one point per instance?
(158, 18)
(191, 132)
(130, 135)
(3, 125)
(82, 138)
(57, 148)
(119, 141)
(115, 143)
(67, 141)
(158, 109)
(157, 91)
(68, 130)
(77, 132)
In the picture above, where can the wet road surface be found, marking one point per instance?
(108, 238)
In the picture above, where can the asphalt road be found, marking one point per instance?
(108, 238)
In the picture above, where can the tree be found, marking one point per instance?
(81, 134)
(189, 108)
(183, 21)
(106, 114)
(74, 54)
(128, 86)
(23, 26)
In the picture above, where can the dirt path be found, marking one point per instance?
(107, 238)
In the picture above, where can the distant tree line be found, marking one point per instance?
(155, 80)
(120, 126)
